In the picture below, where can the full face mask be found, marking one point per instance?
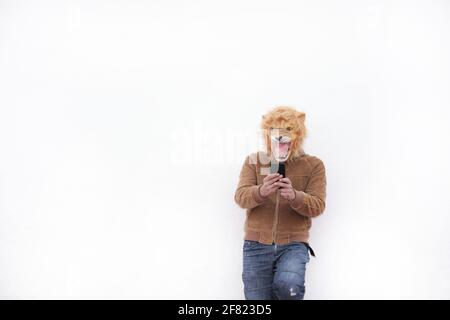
(284, 131)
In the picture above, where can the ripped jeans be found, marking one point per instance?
(274, 272)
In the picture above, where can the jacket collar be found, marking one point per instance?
(293, 158)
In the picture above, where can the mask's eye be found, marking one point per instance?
(289, 128)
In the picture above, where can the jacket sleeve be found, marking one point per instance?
(247, 194)
(311, 203)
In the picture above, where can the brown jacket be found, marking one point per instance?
(274, 219)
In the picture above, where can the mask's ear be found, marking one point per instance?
(301, 116)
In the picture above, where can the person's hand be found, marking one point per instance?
(286, 189)
(268, 187)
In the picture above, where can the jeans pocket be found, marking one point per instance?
(306, 249)
(250, 243)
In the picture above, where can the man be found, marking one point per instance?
(282, 189)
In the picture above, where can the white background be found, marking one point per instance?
(124, 124)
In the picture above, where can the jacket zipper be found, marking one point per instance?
(275, 220)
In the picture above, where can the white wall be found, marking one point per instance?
(123, 126)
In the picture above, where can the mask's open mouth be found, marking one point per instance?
(281, 146)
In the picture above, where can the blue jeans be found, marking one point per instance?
(274, 272)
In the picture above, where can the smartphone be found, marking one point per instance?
(281, 169)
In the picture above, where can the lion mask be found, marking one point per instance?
(284, 131)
